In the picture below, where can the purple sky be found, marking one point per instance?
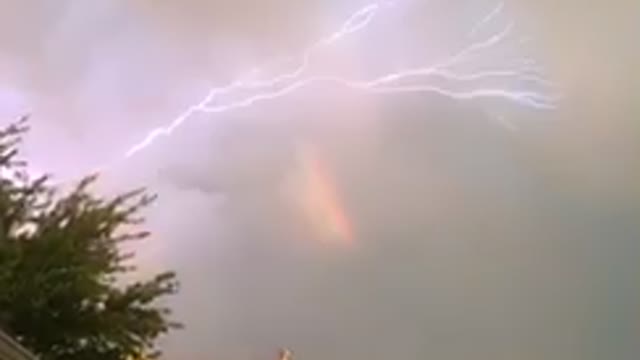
(475, 241)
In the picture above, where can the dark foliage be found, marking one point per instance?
(63, 287)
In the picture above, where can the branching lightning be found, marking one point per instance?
(411, 80)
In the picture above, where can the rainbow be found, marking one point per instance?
(321, 200)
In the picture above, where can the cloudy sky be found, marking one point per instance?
(345, 225)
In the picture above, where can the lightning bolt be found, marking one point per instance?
(355, 23)
(411, 80)
(495, 12)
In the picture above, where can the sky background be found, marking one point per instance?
(472, 239)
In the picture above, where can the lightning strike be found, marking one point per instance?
(390, 83)
(495, 12)
(355, 23)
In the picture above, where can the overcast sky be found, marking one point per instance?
(472, 238)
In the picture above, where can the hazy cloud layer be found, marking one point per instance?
(473, 241)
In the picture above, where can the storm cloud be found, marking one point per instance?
(472, 239)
